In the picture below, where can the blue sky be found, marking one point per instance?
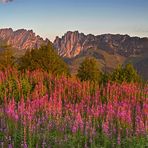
(51, 18)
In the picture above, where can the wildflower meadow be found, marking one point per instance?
(39, 110)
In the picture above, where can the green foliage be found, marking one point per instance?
(26, 86)
(125, 74)
(44, 58)
(131, 74)
(104, 78)
(89, 70)
(6, 57)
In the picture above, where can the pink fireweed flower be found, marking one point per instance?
(78, 123)
(106, 128)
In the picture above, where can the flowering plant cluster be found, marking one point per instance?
(40, 110)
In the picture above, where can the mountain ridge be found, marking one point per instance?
(110, 50)
(21, 39)
(72, 43)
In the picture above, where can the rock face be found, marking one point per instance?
(74, 43)
(71, 44)
(110, 50)
(21, 39)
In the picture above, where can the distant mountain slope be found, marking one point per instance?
(110, 50)
(21, 39)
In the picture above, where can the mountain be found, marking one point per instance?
(21, 39)
(74, 43)
(110, 50)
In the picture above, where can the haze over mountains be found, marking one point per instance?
(110, 50)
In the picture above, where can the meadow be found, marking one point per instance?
(40, 110)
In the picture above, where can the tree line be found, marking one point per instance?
(47, 59)
(89, 70)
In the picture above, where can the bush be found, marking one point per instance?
(125, 74)
(89, 70)
(44, 58)
(6, 58)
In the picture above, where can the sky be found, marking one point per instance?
(51, 18)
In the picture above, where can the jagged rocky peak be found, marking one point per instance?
(70, 44)
(21, 39)
(73, 43)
